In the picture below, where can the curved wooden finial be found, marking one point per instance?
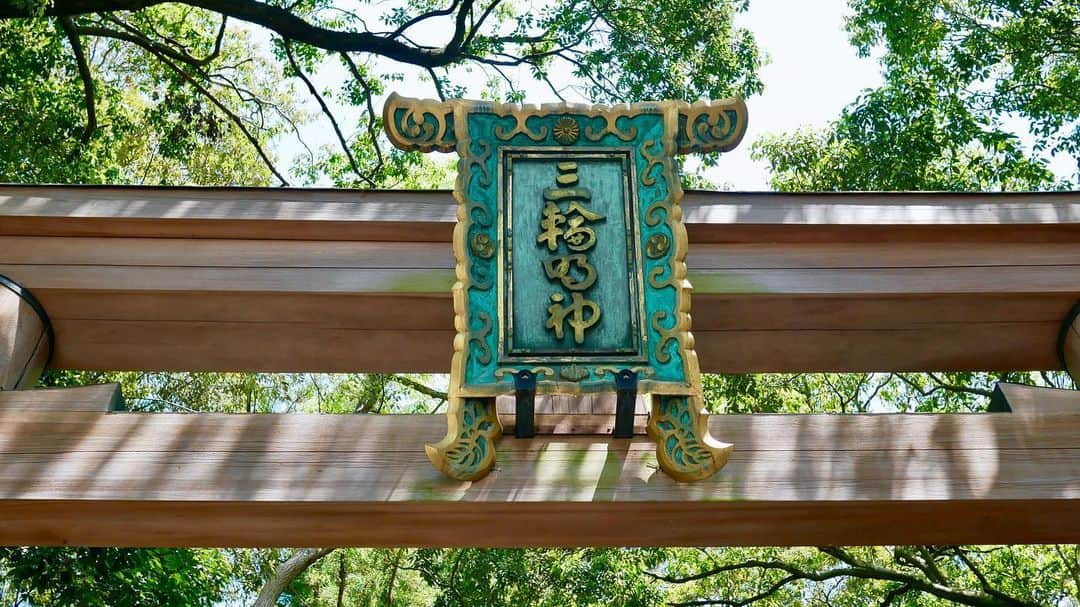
(26, 336)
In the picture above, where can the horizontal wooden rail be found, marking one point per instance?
(129, 479)
(428, 216)
(330, 280)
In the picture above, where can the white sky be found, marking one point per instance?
(811, 74)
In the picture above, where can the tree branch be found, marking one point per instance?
(139, 40)
(895, 593)
(438, 85)
(72, 34)
(419, 387)
(284, 23)
(286, 573)
(221, 106)
(942, 385)
(750, 564)
(71, 8)
(851, 567)
(479, 23)
(987, 587)
(865, 570)
(372, 126)
(325, 110)
(771, 590)
(425, 16)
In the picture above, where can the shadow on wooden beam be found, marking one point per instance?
(136, 479)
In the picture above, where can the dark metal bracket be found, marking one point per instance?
(626, 384)
(525, 404)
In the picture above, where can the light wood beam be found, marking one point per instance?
(1033, 399)
(428, 216)
(1018, 398)
(259, 480)
(97, 398)
(321, 280)
(1069, 344)
(25, 337)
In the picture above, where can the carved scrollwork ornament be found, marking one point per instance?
(667, 335)
(482, 245)
(657, 246)
(573, 372)
(538, 371)
(478, 339)
(468, 451)
(684, 448)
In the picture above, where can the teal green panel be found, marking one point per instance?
(617, 257)
(604, 259)
(667, 362)
(482, 195)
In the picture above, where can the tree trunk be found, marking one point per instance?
(286, 573)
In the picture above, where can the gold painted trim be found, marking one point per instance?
(702, 122)
(677, 261)
(568, 388)
(701, 131)
(710, 453)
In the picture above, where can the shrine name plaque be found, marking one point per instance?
(571, 264)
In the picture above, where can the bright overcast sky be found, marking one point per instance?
(812, 73)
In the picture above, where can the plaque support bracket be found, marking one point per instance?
(525, 403)
(626, 384)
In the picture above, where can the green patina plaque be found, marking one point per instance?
(570, 253)
(572, 292)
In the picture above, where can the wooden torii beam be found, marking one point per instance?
(323, 281)
(293, 280)
(127, 479)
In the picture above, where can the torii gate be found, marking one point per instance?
(323, 280)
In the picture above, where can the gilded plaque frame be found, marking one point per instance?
(678, 423)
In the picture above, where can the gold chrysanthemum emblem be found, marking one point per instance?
(566, 130)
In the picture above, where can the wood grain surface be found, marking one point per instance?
(258, 480)
(1069, 343)
(24, 339)
(98, 397)
(327, 280)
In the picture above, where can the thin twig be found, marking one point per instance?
(372, 125)
(325, 110)
(232, 116)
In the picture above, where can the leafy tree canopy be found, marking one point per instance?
(110, 577)
(136, 122)
(955, 73)
(144, 91)
(1001, 57)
